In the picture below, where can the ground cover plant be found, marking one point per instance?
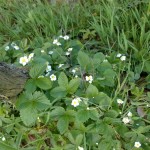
(89, 81)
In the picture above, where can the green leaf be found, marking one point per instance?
(73, 85)
(58, 92)
(104, 66)
(146, 66)
(93, 114)
(63, 80)
(28, 115)
(4, 146)
(91, 91)
(111, 114)
(30, 85)
(37, 70)
(83, 115)
(83, 59)
(44, 83)
(79, 139)
(130, 134)
(57, 112)
(62, 124)
(103, 100)
(97, 59)
(38, 100)
(105, 144)
(71, 138)
(143, 129)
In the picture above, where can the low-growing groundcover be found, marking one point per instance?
(88, 87)
(74, 99)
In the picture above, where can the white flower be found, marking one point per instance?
(119, 101)
(42, 51)
(16, 47)
(73, 71)
(119, 55)
(123, 58)
(31, 56)
(49, 68)
(23, 60)
(80, 148)
(66, 37)
(3, 138)
(58, 43)
(126, 120)
(137, 144)
(61, 36)
(41, 76)
(96, 143)
(88, 108)
(89, 79)
(129, 114)
(55, 41)
(13, 44)
(70, 49)
(6, 48)
(38, 118)
(105, 60)
(75, 102)
(78, 99)
(67, 53)
(76, 76)
(60, 65)
(50, 52)
(53, 77)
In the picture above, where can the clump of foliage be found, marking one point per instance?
(88, 89)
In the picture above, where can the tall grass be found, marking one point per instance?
(120, 25)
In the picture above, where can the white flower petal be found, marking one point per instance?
(60, 65)
(119, 101)
(123, 58)
(50, 52)
(73, 71)
(6, 48)
(53, 77)
(16, 47)
(137, 144)
(55, 41)
(23, 60)
(58, 43)
(80, 148)
(42, 51)
(66, 37)
(129, 114)
(3, 138)
(49, 68)
(75, 102)
(119, 55)
(126, 120)
(70, 49)
(67, 53)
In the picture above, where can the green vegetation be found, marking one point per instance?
(89, 68)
